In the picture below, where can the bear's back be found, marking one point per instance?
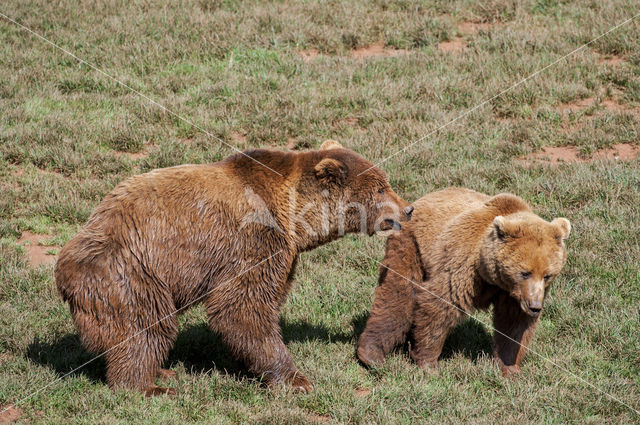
(434, 211)
(456, 219)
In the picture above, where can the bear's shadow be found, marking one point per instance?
(468, 338)
(198, 349)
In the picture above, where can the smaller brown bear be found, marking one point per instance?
(463, 251)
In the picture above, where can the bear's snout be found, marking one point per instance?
(533, 298)
(535, 307)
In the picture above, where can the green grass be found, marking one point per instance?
(234, 67)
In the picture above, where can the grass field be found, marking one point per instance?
(289, 74)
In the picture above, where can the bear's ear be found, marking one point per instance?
(499, 223)
(564, 227)
(507, 228)
(330, 144)
(330, 171)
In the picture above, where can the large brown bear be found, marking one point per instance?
(228, 234)
(463, 251)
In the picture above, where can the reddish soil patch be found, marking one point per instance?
(134, 156)
(291, 143)
(619, 152)
(612, 105)
(308, 55)
(351, 121)
(570, 154)
(454, 46)
(239, 138)
(377, 50)
(555, 155)
(12, 186)
(608, 104)
(612, 60)
(319, 418)
(362, 392)
(469, 28)
(577, 105)
(36, 253)
(138, 155)
(10, 415)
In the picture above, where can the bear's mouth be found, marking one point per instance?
(533, 312)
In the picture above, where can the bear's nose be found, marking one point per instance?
(408, 210)
(535, 306)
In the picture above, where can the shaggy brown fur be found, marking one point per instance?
(162, 240)
(464, 251)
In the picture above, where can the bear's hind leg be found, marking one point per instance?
(137, 361)
(251, 331)
(392, 310)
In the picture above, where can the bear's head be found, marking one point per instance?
(350, 194)
(523, 254)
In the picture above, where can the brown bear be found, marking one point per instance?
(463, 251)
(228, 234)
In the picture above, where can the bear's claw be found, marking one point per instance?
(166, 374)
(155, 391)
(370, 355)
(510, 370)
(299, 382)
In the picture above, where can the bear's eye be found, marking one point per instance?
(525, 275)
(381, 191)
(547, 277)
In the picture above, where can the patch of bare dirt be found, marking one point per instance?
(577, 105)
(612, 60)
(362, 392)
(10, 415)
(315, 418)
(239, 137)
(12, 186)
(134, 156)
(291, 143)
(612, 105)
(455, 46)
(377, 50)
(619, 152)
(351, 121)
(608, 104)
(470, 28)
(571, 155)
(308, 55)
(37, 254)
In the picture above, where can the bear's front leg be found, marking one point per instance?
(247, 319)
(513, 332)
(432, 321)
